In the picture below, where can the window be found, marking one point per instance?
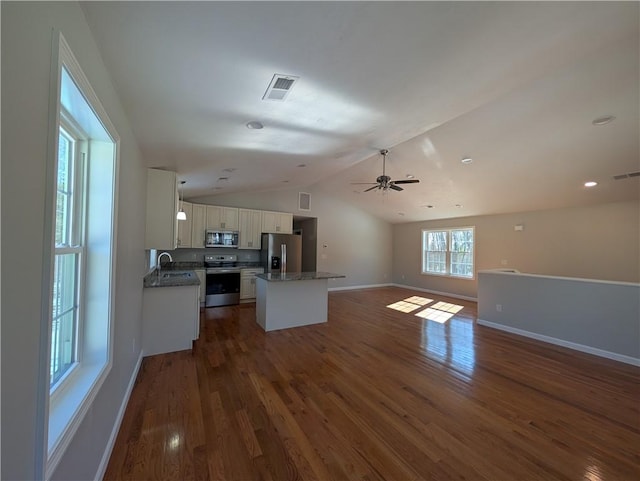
(448, 252)
(82, 181)
(69, 255)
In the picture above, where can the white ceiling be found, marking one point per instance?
(513, 85)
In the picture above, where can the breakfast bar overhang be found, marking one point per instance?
(285, 300)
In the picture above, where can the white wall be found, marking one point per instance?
(597, 242)
(358, 245)
(599, 317)
(26, 59)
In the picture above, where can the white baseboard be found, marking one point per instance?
(439, 293)
(561, 342)
(116, 427)
(402, 286)
(351, 288)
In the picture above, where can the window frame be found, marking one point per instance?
(77, 240)
(448, 253)
(75, 106)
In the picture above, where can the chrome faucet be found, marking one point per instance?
(158, 264)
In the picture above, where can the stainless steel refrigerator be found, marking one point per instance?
(281, 253)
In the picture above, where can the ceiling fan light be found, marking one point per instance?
(255, 125)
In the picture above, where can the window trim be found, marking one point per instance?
(448, 274)
(59, 416)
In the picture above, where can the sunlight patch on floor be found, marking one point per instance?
(439, 312)
(403, 306)
(435, 315)
(447, 307)
(410, 304)
(421, 301)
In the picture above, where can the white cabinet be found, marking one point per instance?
(250, 227)
(249, 223)
(222, 218)
(170, 319)
(198, 224)
(248, 282)
(202, 276)
(161, 230)
(184, 226)
(277, 222)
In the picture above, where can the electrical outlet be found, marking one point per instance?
(499, 307)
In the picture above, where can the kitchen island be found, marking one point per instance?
(285, 300)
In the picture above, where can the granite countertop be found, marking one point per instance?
(249, 265)
(298, 276)
(171, 278)
(182, 266)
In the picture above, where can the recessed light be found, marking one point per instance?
(400, 213)
(605, 119)
(458, 205)
(285, 181)
(255, 125)
(428, 206)
(301, 165)
(222, 179)
(230, 169)
(591, 183)
(466, 160)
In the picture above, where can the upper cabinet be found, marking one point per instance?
(222, 218)
(277, 222)
(184, 226)
(165, 232)
(161, 230)
(250, 228)
(198, 225)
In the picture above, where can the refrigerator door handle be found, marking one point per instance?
(283, 256)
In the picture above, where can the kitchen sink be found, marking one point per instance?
(177, 275)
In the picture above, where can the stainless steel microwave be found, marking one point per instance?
(221, 238)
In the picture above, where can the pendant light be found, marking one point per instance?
(182, 215)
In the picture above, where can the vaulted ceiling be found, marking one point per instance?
(515, 86)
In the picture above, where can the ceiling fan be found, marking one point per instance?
(384, 182)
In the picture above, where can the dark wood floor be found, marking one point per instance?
(377, 394)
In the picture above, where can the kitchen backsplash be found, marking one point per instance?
(191, 255)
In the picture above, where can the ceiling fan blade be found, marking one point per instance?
(364, 183)
(410, 181)
(395, 187)
(371, 188)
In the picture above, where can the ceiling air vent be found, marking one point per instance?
(279, 87)
(304, 201)
(630, 175)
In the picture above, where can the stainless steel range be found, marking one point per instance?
(223, 280)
